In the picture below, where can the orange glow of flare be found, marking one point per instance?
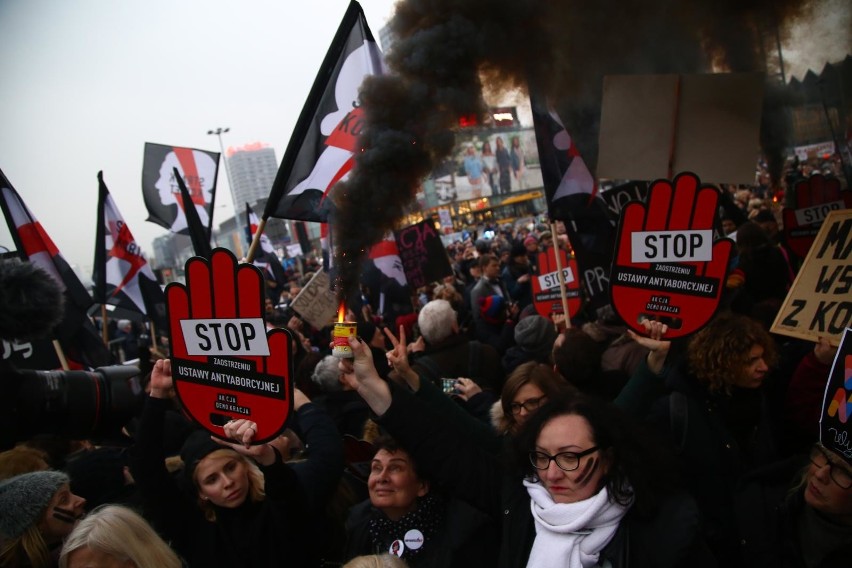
(341, 313)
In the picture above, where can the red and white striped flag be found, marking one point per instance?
(122, 276)
(76, 333)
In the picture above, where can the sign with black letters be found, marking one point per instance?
(819, 303)
(667, 267)
(225, 363)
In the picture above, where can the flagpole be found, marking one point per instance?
(104, 330)
(556, 251)
(61, 355)
(255, 241)
(153, 335)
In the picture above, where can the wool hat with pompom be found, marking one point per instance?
(24, 498)
(491, 308)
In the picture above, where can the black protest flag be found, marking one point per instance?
(199, 235)
(321, 150)
(80, 342)
(198, 170)
(122, 276)
(572, 197)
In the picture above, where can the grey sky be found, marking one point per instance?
(85, 83)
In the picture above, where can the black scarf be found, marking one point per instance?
(428, 518)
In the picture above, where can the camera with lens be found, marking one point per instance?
(92, 404)
(76, 404)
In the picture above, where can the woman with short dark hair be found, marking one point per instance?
(589, 490)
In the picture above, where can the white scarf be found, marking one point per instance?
(571, 534)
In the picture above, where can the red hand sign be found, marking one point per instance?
(547, 297)
(815, 198)
(666, 266)
(225, 364)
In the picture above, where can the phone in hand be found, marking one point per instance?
(448, 386)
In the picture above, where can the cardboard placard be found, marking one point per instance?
(667, 266)
(316, 303)
(819, 303)
(815, 197)
(225, 363)
(547, 296)
(655, 125)
(424, 258)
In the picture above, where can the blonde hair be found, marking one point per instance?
(257, 483)
(376, 561)
(22, 459)
(123, 534)
(28, 549)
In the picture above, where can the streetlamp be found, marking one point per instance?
(218, 133)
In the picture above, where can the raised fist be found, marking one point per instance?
(225, 364)
(667, 267)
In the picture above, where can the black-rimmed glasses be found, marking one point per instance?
(529, 405)
(566, 461)
(838, 474)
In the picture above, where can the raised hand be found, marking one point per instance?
(360, 373)
(225, 364)
(666, 267)
(161, 379)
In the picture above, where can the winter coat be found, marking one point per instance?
(257, 534)
(670, 538)
(465, 539)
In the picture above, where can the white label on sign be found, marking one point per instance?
(237, 337)
(817, 213)
(550, 280)
(671, 246)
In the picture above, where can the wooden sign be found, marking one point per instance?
(316, 303)
(819, 304)
(655, 125)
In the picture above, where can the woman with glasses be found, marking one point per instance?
(526, 389)
(586, 489)
(815, 528)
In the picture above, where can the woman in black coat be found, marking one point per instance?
(404, 516)
(236, 505)
(585, 491)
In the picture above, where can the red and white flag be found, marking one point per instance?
(122, 276)
(76, 333)
(321, 150)
(252, 224)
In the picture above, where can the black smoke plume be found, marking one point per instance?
(447, 51)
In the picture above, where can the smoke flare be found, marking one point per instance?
(446, 51)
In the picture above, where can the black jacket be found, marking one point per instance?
(468, 473)
(281, 527)
(466, 539)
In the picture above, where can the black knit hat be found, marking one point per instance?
(535, 333)
(24, 498)
(196, 447)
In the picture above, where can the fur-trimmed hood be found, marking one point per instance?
(501, 423)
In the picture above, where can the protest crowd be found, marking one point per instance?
(470, 430)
